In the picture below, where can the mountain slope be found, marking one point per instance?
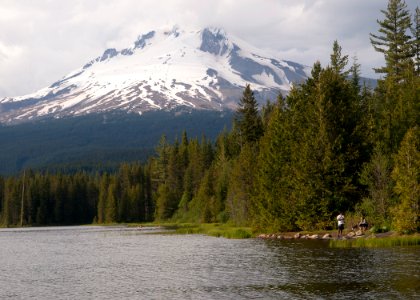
(163, 70)
(100, 141)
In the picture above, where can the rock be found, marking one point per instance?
(279, 237)
(314, 237)
(262, 236)
(297, 236)
(326, 236)
(359, 233)
(351, 234)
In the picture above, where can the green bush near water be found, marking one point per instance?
(213, 229)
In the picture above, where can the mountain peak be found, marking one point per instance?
(214, 40)
(142, 39)
(175, 31)
(162, 70)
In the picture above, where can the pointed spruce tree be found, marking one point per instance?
(393, 39)
(416, 43)
(247, 119)
(338, 62)
(355, 74)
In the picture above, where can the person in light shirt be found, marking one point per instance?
(340, 221)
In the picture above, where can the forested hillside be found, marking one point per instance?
(332, 145)
(99, 142)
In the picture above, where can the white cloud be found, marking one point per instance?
(41, 41)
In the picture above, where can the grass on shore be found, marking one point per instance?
(213, 229)
(392, 241)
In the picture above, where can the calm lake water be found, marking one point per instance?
(123, 263)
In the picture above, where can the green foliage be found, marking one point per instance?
(164, 203)
(355, 74)
(376, 175)
(376, 242)
(312, 151)
(99, 142)
(380, 229)
(393, 40)
(241, 186)
(213, 229)
(416, 43)
(338, 62)
(111, 204)
(247, 119)
(272, 208)
(331, 145)
(406, 174)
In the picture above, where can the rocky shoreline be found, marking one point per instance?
(308, 236)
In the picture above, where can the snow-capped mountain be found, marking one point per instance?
(163, 70)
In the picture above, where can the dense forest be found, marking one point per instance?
(331, 145)
(99, 141)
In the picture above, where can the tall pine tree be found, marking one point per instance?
(416, 43)
(393, 40)
(247, 119)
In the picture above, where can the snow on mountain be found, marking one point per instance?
(202, 69)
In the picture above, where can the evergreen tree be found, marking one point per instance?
(221, 175)
(393, 40)
(396, 97)
(416, 43)
(147, 194)
(376, 175)
(102, 197)
(242, 186)
(200, 206)
(60, 195)
(312, 152)
(268, 109)
(183, 152)
(165, 200)
(338, 62)
(162, 151)
(111, 208)
(247, 119)
(174, 182)
(10, 204)
(406, 174)
(176, 169)
(355, 74)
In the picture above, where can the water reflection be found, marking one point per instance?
(129, 263)
(317, 270)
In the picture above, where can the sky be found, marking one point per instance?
(41, 41)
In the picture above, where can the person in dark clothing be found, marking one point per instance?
(363, 225)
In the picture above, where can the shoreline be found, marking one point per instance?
(352, 239)
(328, 235)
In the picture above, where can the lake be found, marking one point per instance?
(92, 262)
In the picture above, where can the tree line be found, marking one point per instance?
(331, 145)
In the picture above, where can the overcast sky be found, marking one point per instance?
(43, 40)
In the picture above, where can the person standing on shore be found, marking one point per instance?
(340, 221)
